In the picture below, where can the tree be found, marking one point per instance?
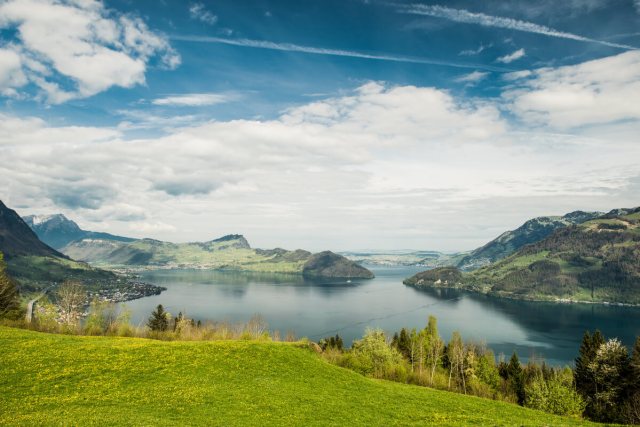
(434, 346)
(159, 319)
(8, 291)
(71, 296)
(555, 395)
(631, 406)
(403, 344)
(102, 317)
(585, 382)
(372, 356)
(455, 351)
(609, 369)
(515, 378)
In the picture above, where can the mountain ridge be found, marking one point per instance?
(595, 261)
(57, 230)
(531, 231)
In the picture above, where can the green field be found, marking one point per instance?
(48, 379)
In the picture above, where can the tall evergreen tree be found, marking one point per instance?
(159, 319)
(584, 377)
(515, 376)
(404, 344)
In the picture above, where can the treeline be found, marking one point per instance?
(108, 319)
(604, 386)
(9, 297)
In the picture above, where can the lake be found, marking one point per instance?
(319, 308)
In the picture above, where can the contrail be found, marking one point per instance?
(466, 17)
(289, 47)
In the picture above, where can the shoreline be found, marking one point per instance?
(528, 299)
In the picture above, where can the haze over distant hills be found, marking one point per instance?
(228, 252)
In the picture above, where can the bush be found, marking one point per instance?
(555, 395)
(373, 356)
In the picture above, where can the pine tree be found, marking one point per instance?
(516, 378)
(404, 344)
(159, 320)
(584, 378)
(8, 291)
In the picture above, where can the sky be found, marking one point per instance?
(319, 124)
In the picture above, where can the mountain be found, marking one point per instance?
(34, 264)
(595, 261)
(231, 252)
(17, 239)
(531, 231)
(58, 231)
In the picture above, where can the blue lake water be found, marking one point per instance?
(319, 308)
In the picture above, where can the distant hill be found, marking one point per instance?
(328, 264)
(231, 252)
(531, 231)
(595, 261)
(404, 257)
(34, 264)
(58, 231)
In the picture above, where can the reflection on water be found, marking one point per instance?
(317, 308)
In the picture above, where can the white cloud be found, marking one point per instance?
(94, 47)
(193, 99)
(512, 56)
(11, 75)
(473, 77)
(594, 92)
(381, 166)
(466, 17)
(199, 12)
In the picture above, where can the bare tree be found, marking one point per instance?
(71, 298)
(257, 326)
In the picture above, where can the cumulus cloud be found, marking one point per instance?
(11, 75)
(91, 46)
(193, 99)
(594, 92)
(199, 12)
(404, 161)
(506, 59)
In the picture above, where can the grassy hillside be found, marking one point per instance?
(56, 379)
(596, 261)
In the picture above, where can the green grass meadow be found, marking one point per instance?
(48, 379)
